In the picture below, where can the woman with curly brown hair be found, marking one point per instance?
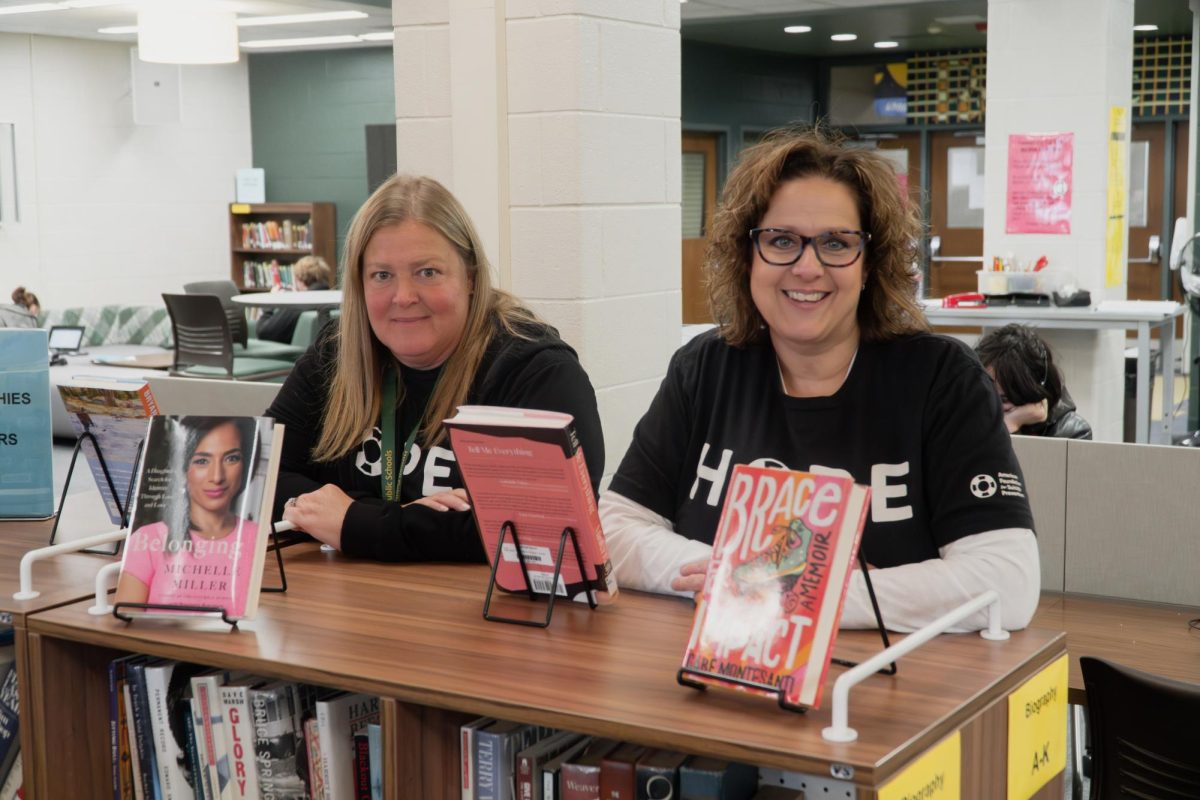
(822, 361)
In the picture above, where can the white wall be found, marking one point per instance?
(111, 211)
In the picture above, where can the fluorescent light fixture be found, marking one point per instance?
(33, 8)
(95, 3)
(183, 33)
(844, 37)
(380, 36)
(294, 19)
(797, 29)
(887, 45)
(119, 29)
(1146, 27)
(302, 42)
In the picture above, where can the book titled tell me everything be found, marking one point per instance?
(526, 467)
(781, 561)
(201, 515)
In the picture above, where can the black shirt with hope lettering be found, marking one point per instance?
(917, 419)
(537, 370)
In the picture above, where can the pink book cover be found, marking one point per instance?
(201, 515)
(527, 467)
(782, 558)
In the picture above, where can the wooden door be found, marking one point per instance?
(905, 148)
(1146, 209)
(955, 211)
(699, 199)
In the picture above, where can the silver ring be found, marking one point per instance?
(291, 501)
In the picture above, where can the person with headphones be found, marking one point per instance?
(1030, 385)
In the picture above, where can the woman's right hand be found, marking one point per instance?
(453, 500)
(1018, 417)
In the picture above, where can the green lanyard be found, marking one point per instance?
(390, 478)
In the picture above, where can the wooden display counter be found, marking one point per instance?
(414, 635)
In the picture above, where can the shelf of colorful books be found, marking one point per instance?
(265, 239)
(413, 635)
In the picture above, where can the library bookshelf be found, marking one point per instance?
(414, 636)
(262, 235)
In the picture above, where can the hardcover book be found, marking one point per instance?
(579, 778)
(201, 516)
(276, 749)
(115, 413)
(657, 775)
(617, 771)
(714, 779)
(527, 467)
(552, 768)
(339, 718)
(781, 561)
(239, 740)
(466, 754)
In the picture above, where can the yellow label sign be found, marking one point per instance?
(239, 208)
(1114, 230)
(1037, 731)
(936, 775)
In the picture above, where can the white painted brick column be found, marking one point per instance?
(1059, 67)
(557, 124)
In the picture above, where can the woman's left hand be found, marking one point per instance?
(320, 514)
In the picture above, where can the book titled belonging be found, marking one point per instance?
(526, 467)
(781, 562)
(201, 515)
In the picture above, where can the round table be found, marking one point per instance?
(320, 300)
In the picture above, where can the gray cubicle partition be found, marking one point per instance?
(1044, 465)
(1133, 521)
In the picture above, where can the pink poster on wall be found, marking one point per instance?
(1039, 183)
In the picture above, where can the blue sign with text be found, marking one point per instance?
(26, 470)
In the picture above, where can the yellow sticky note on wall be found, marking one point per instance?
(1037, 731)
(936, 775)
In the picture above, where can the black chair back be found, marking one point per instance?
(236, 314)
(1145, 733)
(201, 330)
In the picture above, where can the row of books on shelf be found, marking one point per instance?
(503, 760)
(272, 235)
(179, 730)
(267, 275)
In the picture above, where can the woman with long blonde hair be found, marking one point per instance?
(366, 464)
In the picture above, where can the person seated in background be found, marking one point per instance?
(422, 331)
(278, 324)
(1029, 384)
(822, 361)
(26, 300)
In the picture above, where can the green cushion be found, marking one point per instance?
(263, 348)
(242, 367)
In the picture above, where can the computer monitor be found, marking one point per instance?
(211, 398)
(66, 339)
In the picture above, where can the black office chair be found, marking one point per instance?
(204, 344)
(1145, 731)
(239, 329)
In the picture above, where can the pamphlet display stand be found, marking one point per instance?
(889, 669)
(233, 623)
(122, 508)
(510, 529)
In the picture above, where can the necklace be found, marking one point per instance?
(783, 381)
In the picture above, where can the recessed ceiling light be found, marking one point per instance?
(302, 42)
(886, 45)
(1146, 27)
(797, 29)
(844, 37)
(292, 19)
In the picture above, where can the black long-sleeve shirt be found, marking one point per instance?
(540, 372)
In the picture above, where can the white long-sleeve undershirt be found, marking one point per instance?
(647, 553)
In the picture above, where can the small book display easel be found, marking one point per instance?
(123, 508)
(224, 614)
(510, 529)
(890, 669)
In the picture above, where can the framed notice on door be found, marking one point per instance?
(1039, 183)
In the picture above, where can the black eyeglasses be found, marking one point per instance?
(782, 248)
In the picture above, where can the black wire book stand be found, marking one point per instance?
(510, 529)
(123, 508)
(118, 608)
(781, 697)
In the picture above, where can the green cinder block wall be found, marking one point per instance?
(308, 115)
